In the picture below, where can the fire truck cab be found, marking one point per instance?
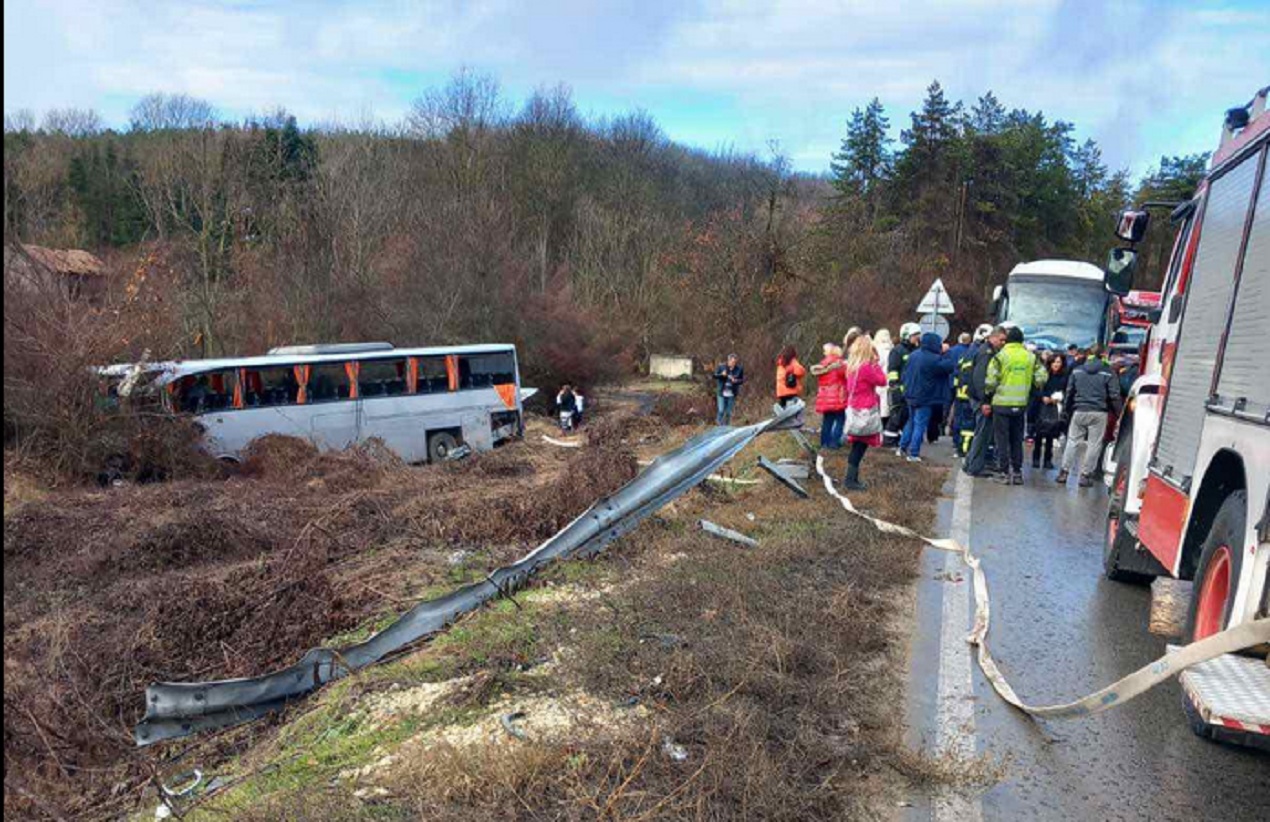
(1190, 469)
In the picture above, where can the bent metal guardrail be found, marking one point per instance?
(177, 709)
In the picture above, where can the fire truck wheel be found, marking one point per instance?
(1118, 542)
(1218, 571)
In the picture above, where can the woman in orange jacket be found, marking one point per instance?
(789, 376)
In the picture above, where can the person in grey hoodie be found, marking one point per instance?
(1092, 393)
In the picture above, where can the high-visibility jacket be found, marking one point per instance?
(1013, 374)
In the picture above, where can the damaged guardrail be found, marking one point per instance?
(177, 709)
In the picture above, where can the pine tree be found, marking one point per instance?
(864, 161)
(988, 115)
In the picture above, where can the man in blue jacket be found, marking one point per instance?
(925, 386)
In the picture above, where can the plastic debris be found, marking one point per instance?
(673, 750)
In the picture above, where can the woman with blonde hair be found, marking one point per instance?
(863, 376)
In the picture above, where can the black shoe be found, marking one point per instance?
(1086, 482)
(855, 485)
(1003, 479)
(1049, 465)
(1061, 479)
(1016, 479)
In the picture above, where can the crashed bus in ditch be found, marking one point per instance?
(422, 403)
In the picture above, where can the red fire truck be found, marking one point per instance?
(1129, 318)
(1190, 470)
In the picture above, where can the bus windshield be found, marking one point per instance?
(1055, 313)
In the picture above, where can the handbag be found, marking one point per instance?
(862, 422)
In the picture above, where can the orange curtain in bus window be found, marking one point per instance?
(507, 393)
(412, 375)
(353, 370)
(452, 371)
(302, 380)
(238, 388)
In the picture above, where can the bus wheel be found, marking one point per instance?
(1118, 542)
(440, 445)
(1218, 571)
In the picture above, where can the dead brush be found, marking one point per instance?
(106, 591)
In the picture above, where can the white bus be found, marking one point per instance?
(421, 402)
(1057, 303)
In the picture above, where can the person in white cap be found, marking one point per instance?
(910, 338)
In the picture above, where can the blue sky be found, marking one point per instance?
(1144, 78)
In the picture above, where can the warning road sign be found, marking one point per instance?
(936, 300)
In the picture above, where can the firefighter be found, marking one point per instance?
(1014, 373)
(976, 464)
(963, 410)
(910, 337)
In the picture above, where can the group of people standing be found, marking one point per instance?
(1012, 392)
(989, 390)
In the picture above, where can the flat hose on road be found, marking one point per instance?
(1119, 692)
(176, 709)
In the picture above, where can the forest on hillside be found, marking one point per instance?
(589, 242)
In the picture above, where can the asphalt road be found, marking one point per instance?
(1059, 631)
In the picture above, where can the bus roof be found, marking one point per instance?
(178, 369)
(1059, 268)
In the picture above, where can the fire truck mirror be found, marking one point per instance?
(1131, 226)
(1121, 265)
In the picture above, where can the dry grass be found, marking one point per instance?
(778, 671)
(108, 590)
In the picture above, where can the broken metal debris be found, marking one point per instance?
(177, 709)
(727, 533)
(794, 469)
(774, 469)
(509, 724)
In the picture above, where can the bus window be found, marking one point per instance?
(432, 377)
(486, 370)
(199, 393)
(381, 378)
(270, 386)
(328, 383)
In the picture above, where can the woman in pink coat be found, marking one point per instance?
(863, 376)
(831, 396)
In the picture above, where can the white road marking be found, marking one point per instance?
(954, 708)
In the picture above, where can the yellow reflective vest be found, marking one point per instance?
(1013, 374)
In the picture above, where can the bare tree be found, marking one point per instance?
(160, 112)
(22, 120)
(72, 122)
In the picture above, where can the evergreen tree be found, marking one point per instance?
(988, 115)
(864, 161)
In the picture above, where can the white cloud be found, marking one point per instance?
(1139, 76)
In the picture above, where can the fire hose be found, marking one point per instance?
(1245, 635)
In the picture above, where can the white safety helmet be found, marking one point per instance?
(982, 332)
(909, 329)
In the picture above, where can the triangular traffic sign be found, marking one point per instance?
(936, 300)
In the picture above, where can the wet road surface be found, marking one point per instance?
(1060, 631)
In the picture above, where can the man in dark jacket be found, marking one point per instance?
(910, 334)
(729, 377)
(976, 389)
(925, 387)
(1092, 392)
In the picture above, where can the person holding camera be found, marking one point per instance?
(728, 378)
